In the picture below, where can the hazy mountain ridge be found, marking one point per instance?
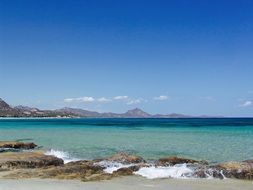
(24, 111)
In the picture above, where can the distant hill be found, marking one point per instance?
(6, 110)
(136, 113)
(23, 111)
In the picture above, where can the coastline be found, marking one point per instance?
(46, 161)
(31, 118)
(125, 183)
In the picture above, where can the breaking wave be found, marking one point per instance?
(180, 171)
(61, 154)
(110, 166)
(150, 171)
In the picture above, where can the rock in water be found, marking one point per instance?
(17, 145)
(27, 160)
(126, 158)
(173, 160)
(238, 170)
(128, 170)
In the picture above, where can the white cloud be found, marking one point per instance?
(246, 104)
(120, 97)
(81, 99)
(136, 101)
(86, 99)
(103, 99)
(161, 98)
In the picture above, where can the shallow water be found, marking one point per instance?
(214, 140)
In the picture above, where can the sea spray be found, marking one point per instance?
(111, 166)
(61, 154)
(180, 171)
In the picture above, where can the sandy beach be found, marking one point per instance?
(133, 183)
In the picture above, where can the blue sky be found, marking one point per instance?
(192, 57)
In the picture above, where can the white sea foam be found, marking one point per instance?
(180, 171)
(61, 154)
(110, 166)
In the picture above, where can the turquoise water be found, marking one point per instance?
(214, 140)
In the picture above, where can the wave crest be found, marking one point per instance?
(111, 166)
(180, 171)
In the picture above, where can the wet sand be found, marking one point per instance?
(125, 183)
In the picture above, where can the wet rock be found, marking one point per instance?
(173, 160)
(27, 160)
(17, 145)
(8, 150)
(238, 170)
(74, 170)
(128, 170)
(123, 172)
(80, 170)
(126, 158)
(208, 172)
(200, 174)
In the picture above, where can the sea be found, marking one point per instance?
(212, 139)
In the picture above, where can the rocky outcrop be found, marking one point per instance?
(173, 160)
(7, 111)
(17, 145)
(124, 158)
(27, 160)
(82, 170)
(238, 170)
(35, 164)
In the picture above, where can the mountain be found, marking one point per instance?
(26, 108)
(23, 111)
(4, 105)
(78, 112)
(6, 110)
(136, 113)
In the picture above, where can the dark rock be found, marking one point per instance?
(82, 170)
(17, 145)
(173, 160)
(8, 150)
(74, 170)
(27, 160)
(206, 172)
(127, 171)
(238, 170)
(126, 158)
(200, 174)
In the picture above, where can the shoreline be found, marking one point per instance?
(23, 162)
(125, 183)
